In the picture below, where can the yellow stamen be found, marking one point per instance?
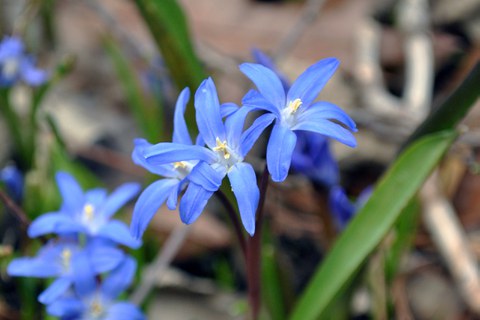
(294, 105)
(88, 210)
(222, 147)
(66, 256)
(180, 164)
(96, 309)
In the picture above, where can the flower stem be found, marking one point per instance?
(254, 252)
(236, 222)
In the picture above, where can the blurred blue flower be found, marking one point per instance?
(295, 109)
(94, 301)
(13, 179)
(88, 213)
(66, 260)
(175, 173)
(227, 145)
(16, 65)
(342, 208)
(312, 157)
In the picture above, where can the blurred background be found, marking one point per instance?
(125, 63)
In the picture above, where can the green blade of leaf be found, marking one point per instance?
(374, 220)
(148, 115)
(169, 29)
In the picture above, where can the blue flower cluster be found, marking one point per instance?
(90, 270)
(199, 169)
(16, 65)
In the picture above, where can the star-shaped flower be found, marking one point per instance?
(89, 213)
(226, 146)
(296, 110)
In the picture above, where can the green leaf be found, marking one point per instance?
(149, 116)
(169, 29)
(370, 225)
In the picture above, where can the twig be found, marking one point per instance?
(407, 112)
(309, 13)
(254, 251)
(447, 233)
(17, 211)
(156, 269)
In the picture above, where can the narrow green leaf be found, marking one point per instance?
(149, 116)
(374, 220)
(169, 29)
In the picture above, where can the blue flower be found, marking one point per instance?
(88, 213)
(342, 208)
(13, 179)
(65, 260)
(312, 157)
(16, 65)
(227, 145)
(295, 109)
(175, 173)
(93, 301)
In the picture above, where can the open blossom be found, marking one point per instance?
(98, 301)
(65, 260)
(226, 146)
(295, 110)
(88, 213)
(175, 173)
(16, 65)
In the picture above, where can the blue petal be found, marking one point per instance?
(120, 278)
(340, 206)
(119, 233)
(327, 110)
(50, 222)
(167, 152)
(209, 118)
(329, 129)
(228, 108)
(96, 197)
(124, 311)
(138, 158)
(244, 186)
(55, 290)
(207, 177)
(105, 258)
(172, 199)
(309, 84)
(33, 267)
(250, 136)
(71, 192)
(263, 59)
(255, 100)
(267, 83)
(83, 274)
(148, 203)
(32, 75)
(180, 130)
(234, 126)
(279, 152)
(193, 202)
(67, 308)
(119, 197)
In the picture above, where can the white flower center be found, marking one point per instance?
(226, 155)
(66, 258)
(96, 310)
(289, 113)
(88, 212)
(183, 168)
